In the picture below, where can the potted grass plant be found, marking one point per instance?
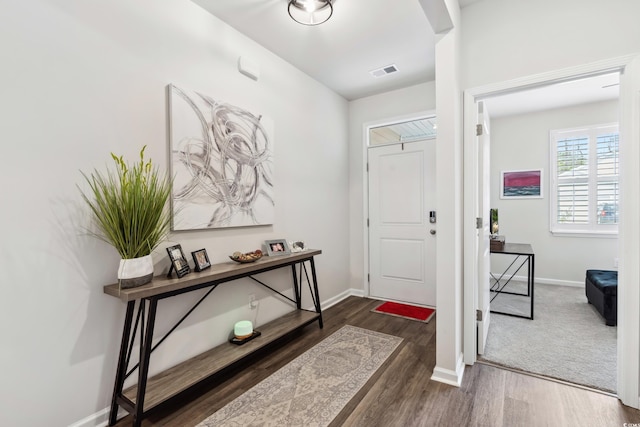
(129, 205)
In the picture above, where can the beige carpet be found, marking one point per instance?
(567, 340)
(312, 389)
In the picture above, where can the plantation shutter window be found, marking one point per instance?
(584, 180)
(608, 172)
(573, 180)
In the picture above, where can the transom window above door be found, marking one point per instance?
(409, 131)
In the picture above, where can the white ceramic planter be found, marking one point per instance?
(135, 272)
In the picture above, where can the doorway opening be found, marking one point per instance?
(629, 205)
(564, 133)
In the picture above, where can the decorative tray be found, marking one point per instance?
(245, 258)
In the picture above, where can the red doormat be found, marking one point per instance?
(412, 312)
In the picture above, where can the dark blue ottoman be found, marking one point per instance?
(601, 287)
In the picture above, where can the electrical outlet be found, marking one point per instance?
(253, 303)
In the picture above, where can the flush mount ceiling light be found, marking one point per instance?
(310, 12)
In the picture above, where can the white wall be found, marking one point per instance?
(377, 108)
(449, 177)
(506, 39)
(83, 79)
(522, 142)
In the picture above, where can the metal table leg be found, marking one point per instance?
(317, 294)
(145, 355)
(122, 364)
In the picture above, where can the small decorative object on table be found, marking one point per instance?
(178, 261)
(247, 257)
(297, 246)
(496, 242)
(277, 247)
(243, 332)
(493, 216)
(243, 329)
(201, 259)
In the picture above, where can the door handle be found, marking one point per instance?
(432, 231)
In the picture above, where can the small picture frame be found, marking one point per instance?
(201, 259)
(178, 261)
(277, 247)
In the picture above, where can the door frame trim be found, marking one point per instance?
(628, 342)
(365, 179)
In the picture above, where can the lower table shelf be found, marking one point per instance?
(179, 378)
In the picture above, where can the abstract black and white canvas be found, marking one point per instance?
(222, 163)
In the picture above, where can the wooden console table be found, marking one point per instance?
(149, 393)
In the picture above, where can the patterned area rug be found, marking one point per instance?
(313, 388)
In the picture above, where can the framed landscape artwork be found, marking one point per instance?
(221, 158)
(521, 184)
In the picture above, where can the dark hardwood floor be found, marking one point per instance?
(401, 392)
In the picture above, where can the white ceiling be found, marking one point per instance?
(362, 35)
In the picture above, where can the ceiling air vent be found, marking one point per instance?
(388, 69)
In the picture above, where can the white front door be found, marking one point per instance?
(402, 241)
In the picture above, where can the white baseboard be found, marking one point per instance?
(99, 419)
(546, 281)
(338, 298)
(357, 293)
(447, 376)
